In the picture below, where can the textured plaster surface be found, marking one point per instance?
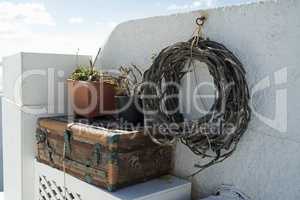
(29, 74)
(47, 78)
(19, 128)
(265, 37)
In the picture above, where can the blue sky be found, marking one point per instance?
(63, 26)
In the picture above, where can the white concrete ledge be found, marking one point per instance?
(165, 188)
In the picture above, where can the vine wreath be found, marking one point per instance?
(215, 135)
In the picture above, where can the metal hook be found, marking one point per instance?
(200, 20)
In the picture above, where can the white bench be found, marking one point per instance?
(50, 183)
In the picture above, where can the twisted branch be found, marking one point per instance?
(215, 135)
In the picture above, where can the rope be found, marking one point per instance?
(64, 169)
(63, 162)
(215, 135)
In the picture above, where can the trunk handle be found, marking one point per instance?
(67, 140)
(97, 153)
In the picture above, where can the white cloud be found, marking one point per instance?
(56, 42)
(66, 42)
(178, 7)
(203, 4)
(27, 13)
(17, 33)
(13, 31)
(107, 25)
(16, 19)
(76, 20)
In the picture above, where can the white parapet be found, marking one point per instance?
(34, 86)
(265, 36)
(51, 183)
(33, 79)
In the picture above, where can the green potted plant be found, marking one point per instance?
(91, 92)
(128, 101)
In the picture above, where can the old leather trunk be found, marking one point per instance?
(104, 157)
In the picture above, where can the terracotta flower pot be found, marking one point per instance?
(91, 98)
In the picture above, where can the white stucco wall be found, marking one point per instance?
(40, 84)
(265, 37)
